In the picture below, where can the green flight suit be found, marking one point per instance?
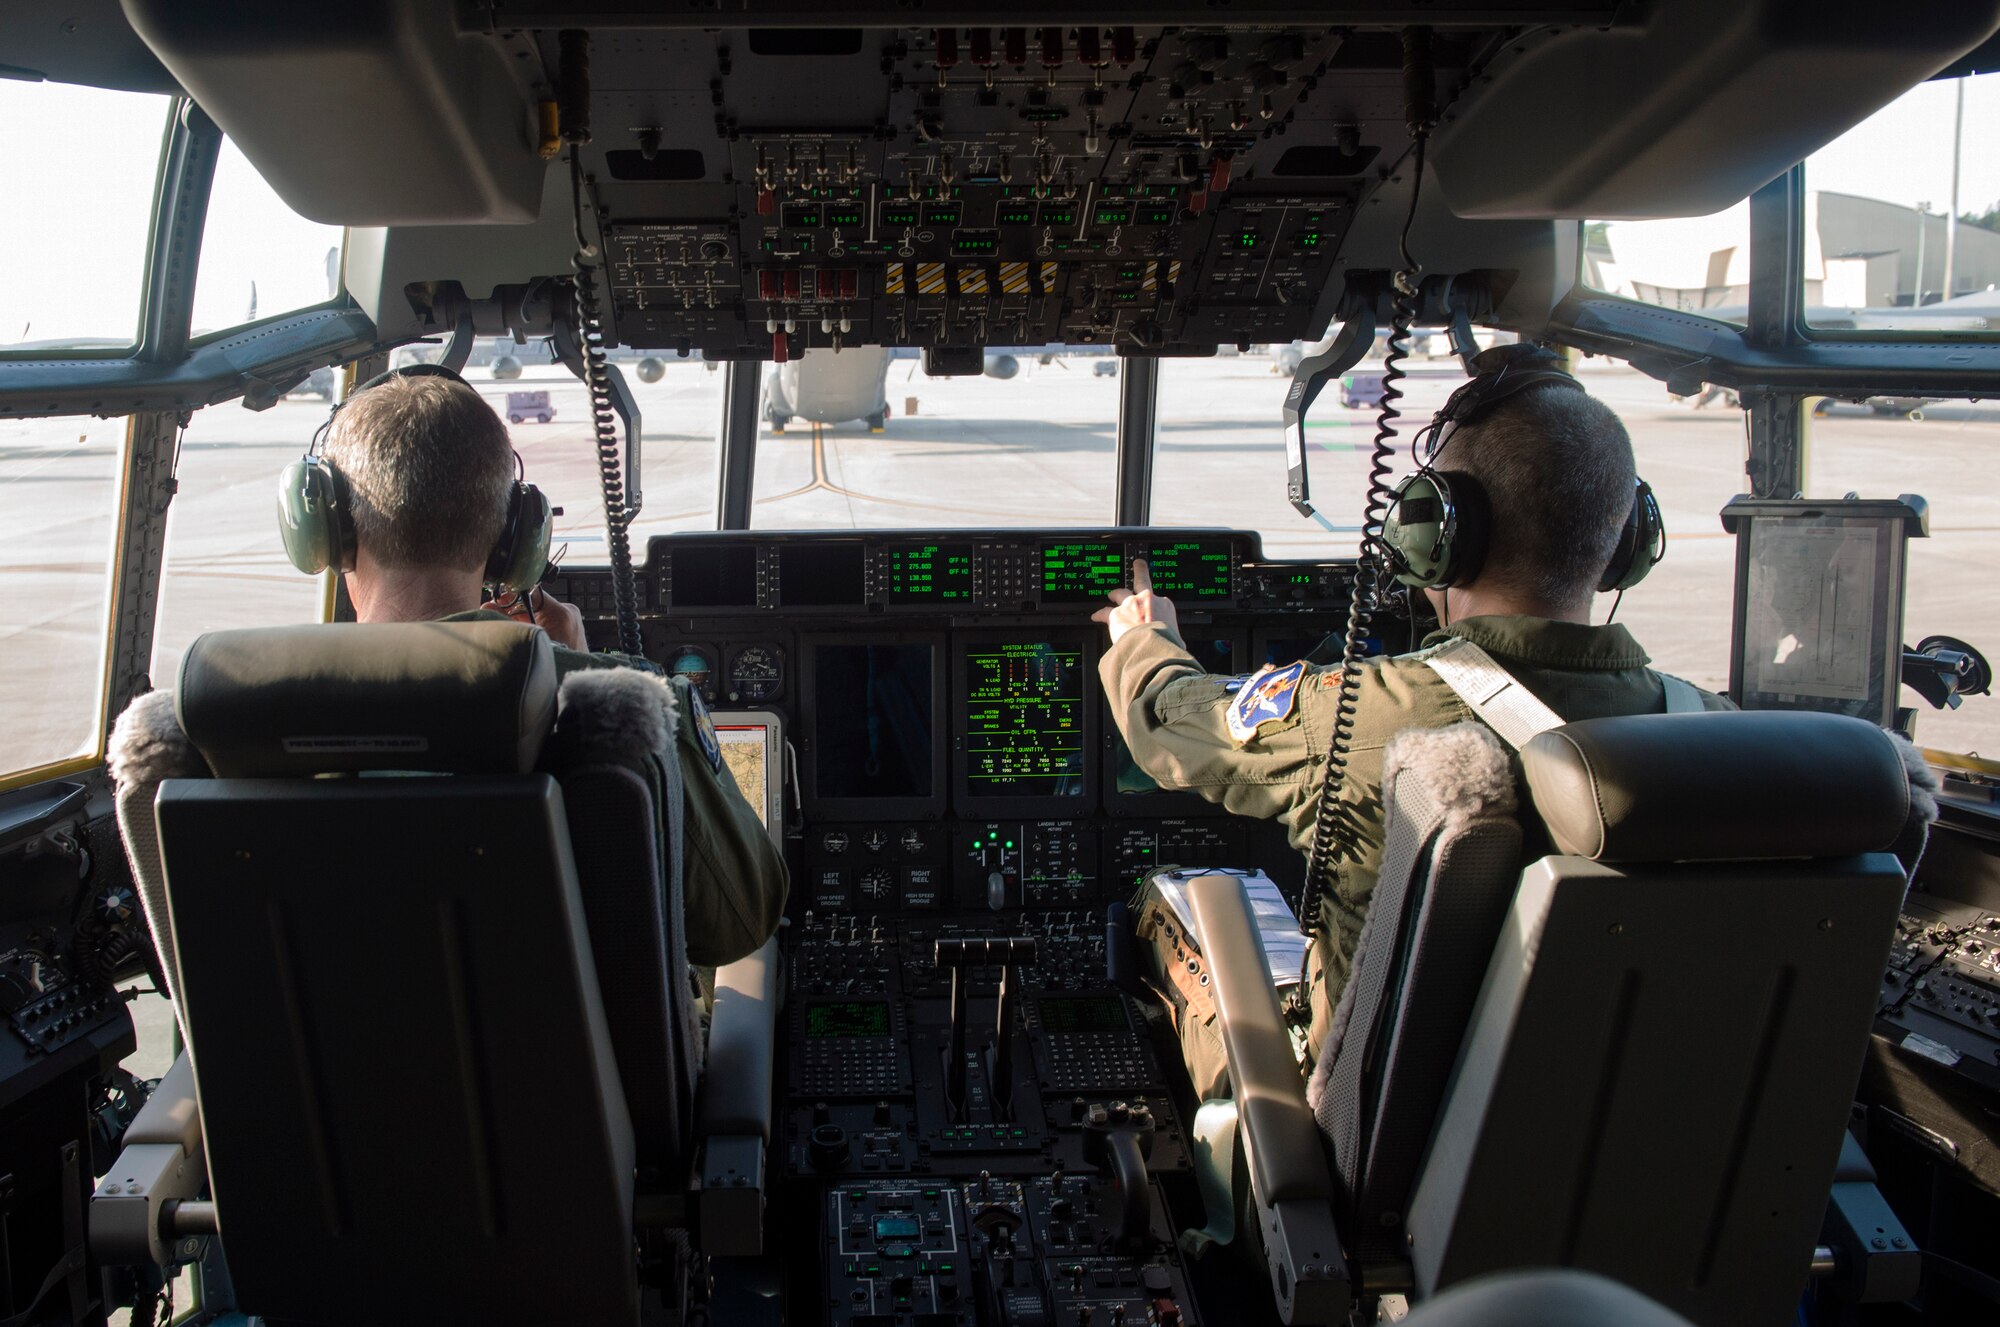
(733, 879)
(1174, 719)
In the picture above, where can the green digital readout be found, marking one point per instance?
(1156, 214)
(1016, 214)
(899, 214)
(1024, 732)
(843, 214)
(1058, 214)
(927, 574)
(941, 216)
(1308, 239)
(974, 244)
(1248, 239)
(1082, 1013)
(801, 216)
(852, 1018)
(1191, 568)
(1112, 214)
(1079, 573)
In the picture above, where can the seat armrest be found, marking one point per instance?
(171, 1114)
(160, 1164)
(733, 1124)
(1289, 1180)
(742, 1046)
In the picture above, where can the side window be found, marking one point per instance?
(1903, 216)
(59, 482)
(226, 566)
(258, 257)
(81, 166)
(1695, 265)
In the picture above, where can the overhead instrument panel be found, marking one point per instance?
(1160, 190)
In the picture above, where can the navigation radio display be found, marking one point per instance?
(1081, 573)
(1024, 720)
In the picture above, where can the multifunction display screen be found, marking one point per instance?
(872, 721)
(820, 575)
(1191, 568)
(853, 1018)
(1083, 1013)
(1082, 572)
(927, 574)
(1024, 731)
(714, 576)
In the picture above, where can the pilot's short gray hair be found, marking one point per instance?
(1557, 465)
(428, 464)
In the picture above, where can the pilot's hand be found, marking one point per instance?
(562, 621)
(1131, 607)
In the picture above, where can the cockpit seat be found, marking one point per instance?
(1637, 1056)
(1656, 1075)
(425, 947)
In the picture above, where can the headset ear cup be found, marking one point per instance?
(1415, 531)
(1641, 543)
(313, 517)
(522, 555)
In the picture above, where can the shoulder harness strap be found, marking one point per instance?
(1501, 703)
(1682, 697)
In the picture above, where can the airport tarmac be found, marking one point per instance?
(1037, 450)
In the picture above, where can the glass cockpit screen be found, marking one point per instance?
(873, 721)
(1024, 721)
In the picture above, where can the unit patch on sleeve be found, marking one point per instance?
(704, 730)
(1266, 698)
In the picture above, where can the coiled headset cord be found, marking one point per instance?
(604, 422)
(1336, 835)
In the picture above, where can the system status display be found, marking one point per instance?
(1024, 731)
(927, 574)
(1081, 573)
(1192, 569)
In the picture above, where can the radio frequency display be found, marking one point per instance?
(1192, 568)
(1024, 720)
(1081, 573)
(927, 574)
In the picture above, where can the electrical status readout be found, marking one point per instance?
(1024, 720)
(1191, 569)
(1081, 573)
(927, 574)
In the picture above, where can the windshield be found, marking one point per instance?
(865, 439)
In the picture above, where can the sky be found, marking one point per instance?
(79, 166)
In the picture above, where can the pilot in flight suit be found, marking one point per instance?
(423, 457)
(1258, 745)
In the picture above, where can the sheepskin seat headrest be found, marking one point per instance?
(1465, 768)
(147, 744)
(614, 715)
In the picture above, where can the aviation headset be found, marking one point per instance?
(316, 515)
(1439, 525)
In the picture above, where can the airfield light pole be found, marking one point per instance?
(1951, 217)
(1923, 215)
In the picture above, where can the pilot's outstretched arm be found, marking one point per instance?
(1175, 718)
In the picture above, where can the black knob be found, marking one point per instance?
(822, 1113)
(883, 1117)
(828, 1147)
